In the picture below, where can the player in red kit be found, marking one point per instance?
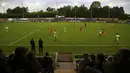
(51, 31)
(103, 32)
(80, 29)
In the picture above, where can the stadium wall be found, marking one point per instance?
(55, 19)
(108, 19)
(2, 19)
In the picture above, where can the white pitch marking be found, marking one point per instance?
(37, 29)
(20, 39)
(66, 45)
(23, 37)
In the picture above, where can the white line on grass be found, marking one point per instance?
(23, 37)
(67, 45)
(20, 39)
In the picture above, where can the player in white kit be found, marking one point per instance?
(55, 36)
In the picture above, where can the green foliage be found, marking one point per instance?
(95, 9)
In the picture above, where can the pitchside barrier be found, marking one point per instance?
(55, 19)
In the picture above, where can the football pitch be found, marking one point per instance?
(20, 33)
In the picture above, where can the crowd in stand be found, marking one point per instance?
(22, 61)
(119, 63)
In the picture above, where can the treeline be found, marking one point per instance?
(95, 11)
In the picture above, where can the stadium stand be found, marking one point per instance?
(22, 61)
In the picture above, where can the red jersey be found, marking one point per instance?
(80, 28)
(104, 33)
(50, 30)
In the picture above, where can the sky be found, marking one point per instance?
(43, 4)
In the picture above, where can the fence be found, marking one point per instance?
(57, 19)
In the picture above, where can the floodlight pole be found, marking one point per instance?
(3, 5)
(91, 12)
(57, 12)
(75, 14)
(109, 13)
(37, 12)
(22, 9)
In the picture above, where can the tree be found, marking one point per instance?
(94, 8)
(71, 11)
(82, 11)
(75, 11)
(122, 10)
(50, 9)
(9, 11)
(41, 11)
(17, 10)
(105, 12)
(95, 4)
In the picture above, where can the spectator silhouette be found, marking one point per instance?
(40, 45)
(32, 45)
(99, 62)
(93, 60)
(47, 64)
(10, 60)
(108, 65)
(83, 63)
(3, 67)
(35, 65)
(123, 64)
(91, 70)
(20, 62)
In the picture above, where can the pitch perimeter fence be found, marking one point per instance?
(67, 19)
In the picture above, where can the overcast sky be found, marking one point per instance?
(43, 4)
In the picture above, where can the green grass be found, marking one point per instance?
(71, 37)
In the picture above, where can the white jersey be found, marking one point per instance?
(64, 29)
(117, 37)
(54, 33)
(6, 27)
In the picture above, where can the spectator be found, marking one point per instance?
(3, 61)
(108, 65)
(34, 63)
(83, 63)
(32, 45)
(91, 70)
(92, 61)
(20, 62)
(40, 46)
(47, 64)
(110, 58)
(123, 65)
(99, 62)
(10, 59)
